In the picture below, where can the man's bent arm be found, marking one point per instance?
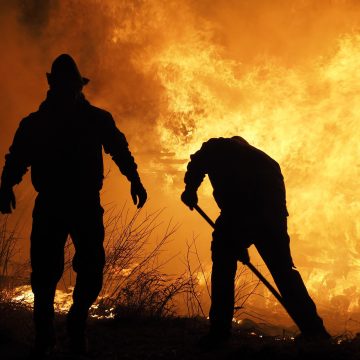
(115, 144)
(197, 168)
(17, 160)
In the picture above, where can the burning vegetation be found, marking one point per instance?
(139, 303)
(284, 76)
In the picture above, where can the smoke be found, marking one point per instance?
(291, 31)
(34, 14)
(283, 74)
(125, 48)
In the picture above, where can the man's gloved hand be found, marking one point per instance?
(189, 198)
(138, 193)
(243, 255)
(7, 200)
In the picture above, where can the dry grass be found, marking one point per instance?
(8, 242)
(137, 288)
(135, 284)
(11, 272)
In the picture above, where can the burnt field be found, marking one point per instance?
(163, 338)
(136, 317)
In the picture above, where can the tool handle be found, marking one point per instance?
(266, 283)
(249, 264)
(203, 214)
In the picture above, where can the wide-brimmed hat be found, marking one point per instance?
(64, 69)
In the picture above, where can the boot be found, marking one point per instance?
(314, 337)
(45, 340)
(215, 338)
(76, 325)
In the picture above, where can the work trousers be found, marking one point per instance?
(55, 217)
(272, 242)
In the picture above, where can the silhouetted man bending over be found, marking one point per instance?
(249, 189)
(62, 143)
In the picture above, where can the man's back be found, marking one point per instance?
(64, 148)
(245, 179)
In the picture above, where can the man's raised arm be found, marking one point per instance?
(115, 144)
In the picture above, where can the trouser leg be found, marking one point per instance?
(88, 235)
(275, 250)
(222, 288)
(48, 238)
(224, 259)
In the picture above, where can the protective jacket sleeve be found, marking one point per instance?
(17, 160)
(115, 144)
(198, 167)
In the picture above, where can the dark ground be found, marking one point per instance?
(173, 338)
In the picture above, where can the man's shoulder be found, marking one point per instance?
(214, 143)
(100, 113)
(212, 146)
(30, 119)
(265, 160)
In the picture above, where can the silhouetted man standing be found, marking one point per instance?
(249, 189)
(62, 143)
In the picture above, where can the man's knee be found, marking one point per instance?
(87, 288)
(290, 283)
(90, 261)
(222, 252)
(47, 253)
(224, 264)
(45, 274)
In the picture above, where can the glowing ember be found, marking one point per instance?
(62, 303)
(24, 295)
(284, 75)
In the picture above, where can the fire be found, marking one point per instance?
(307, 119)
(24, 295)
(63, 300)
(283, 76)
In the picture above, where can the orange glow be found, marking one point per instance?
(63, 300)
(284, 76)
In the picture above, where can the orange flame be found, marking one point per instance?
(187, 71)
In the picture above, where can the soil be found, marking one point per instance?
(170, 338)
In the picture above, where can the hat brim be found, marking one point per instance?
(83, 80)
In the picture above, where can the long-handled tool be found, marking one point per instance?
(248, 264)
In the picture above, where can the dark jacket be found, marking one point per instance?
(246, 181)
(63, 147)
